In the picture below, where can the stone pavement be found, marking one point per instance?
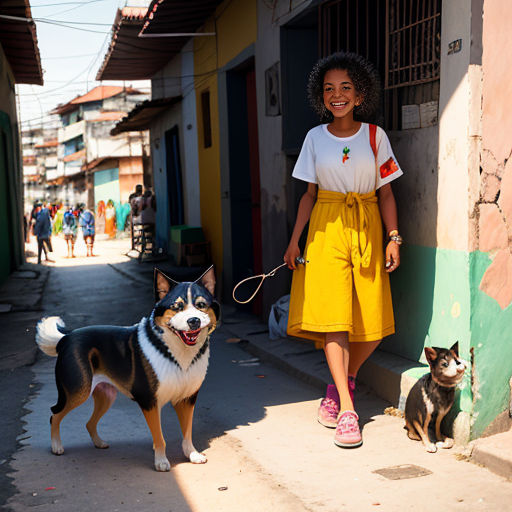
(20, 300)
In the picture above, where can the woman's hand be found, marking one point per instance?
(392, 256)
(291, 253)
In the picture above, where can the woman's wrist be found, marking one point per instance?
(394, 236)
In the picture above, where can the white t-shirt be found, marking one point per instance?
(346, 164)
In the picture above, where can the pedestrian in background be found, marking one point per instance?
(86, 221)
(341, 296)
(69, 229)
(43, 231)
(110, 219)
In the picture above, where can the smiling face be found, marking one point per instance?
(340, 95)
(446, 367)
(186, 310)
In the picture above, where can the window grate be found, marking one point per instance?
(413, 42)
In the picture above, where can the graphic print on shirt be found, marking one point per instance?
(388, 168)
(346, 151)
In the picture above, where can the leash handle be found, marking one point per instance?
(259, 276)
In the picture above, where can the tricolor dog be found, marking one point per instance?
(433, 395)
(161, 359)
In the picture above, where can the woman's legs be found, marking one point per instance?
(359, 353)
(337, 354)
(344, 360)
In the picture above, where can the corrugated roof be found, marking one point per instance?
(130, 57)
(140, 117)
(100, 92)
(177, 16)
(18, 39)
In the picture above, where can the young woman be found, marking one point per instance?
(341, 297)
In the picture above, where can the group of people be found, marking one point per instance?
(42, 221)
(143, 206)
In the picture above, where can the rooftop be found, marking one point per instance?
(100, 92)
(18, 38)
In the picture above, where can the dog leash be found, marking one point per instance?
(272, 273)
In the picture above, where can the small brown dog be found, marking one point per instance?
(433, 395)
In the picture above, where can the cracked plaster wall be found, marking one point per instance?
(491, 217)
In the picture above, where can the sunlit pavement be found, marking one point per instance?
(105, 251)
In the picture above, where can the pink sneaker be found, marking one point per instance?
(328, 413)
(347, 433)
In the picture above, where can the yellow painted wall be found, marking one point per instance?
(237, 28)
(235, 23)
(205, 62)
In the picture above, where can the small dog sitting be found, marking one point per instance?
(433, 395)
(161, 359)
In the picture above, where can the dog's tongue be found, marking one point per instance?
(190, 337)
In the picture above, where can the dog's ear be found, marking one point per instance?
(455, 348)
(430, 354)
(208, 279)
(162, 284)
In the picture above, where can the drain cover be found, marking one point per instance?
(402, 472)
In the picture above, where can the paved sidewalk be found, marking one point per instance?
(384, 374)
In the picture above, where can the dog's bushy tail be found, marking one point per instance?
(49, 332)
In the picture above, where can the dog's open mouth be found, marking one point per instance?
(188, 337)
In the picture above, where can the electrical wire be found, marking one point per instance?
(66, 3)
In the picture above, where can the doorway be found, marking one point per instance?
(244, 175)
(174, 177)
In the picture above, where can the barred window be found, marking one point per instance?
(402, 38)
(413, 33)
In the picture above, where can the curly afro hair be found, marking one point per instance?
(362, 73)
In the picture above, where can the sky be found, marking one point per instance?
(70, 55)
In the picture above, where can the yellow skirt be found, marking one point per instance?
(343, 286)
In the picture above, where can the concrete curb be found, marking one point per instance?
(23, 290)
(495, 453)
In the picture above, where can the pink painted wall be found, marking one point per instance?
(495, 201)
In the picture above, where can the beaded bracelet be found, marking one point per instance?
(397, 239)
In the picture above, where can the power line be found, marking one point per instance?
(49, 20)
(70, 57)
(70, 26)
(67, 3)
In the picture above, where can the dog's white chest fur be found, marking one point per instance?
(174, 382)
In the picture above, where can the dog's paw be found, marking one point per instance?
(57, 448)
(447, 443)
(162, 464)
(102, 445)
(431, 448)
(197, 458)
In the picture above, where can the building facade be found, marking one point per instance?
(19, 63)
(92, 165)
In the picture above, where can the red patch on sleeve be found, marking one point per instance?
(388, 168)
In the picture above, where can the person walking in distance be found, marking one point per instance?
(86, 221)
(340, 296)
(69, 229)
(43, 232)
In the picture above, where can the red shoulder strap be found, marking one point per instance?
(373, 139)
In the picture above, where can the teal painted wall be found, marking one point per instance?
(106, 186)
(431, 298)
(431, 301)
(492, 344)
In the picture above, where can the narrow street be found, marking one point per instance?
(256, 424)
